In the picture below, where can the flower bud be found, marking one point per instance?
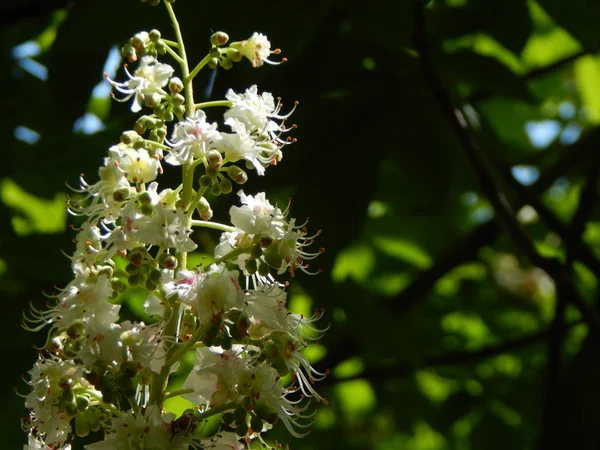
(160, 47)
(214, 158)
(205, 180)
(175, 85)
(136, 279)
(215, 190)
(263, 269)
(219, 38)
(179, 110)
(213, 63)
(256, 424)
(129, 53)
(255, 251)
(237, 174)
(154, 35)
(147, 210)
(153, 101)
(167, 261)
(178, 99)
(226, 186)
(226, 63)
(82, 402)
(129, 137)
(118, 285)
(82, 426)
(205, 210)
(228, 418)
(121, 195)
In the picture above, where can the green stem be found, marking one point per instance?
(174, 54)
(178, 392)
(180, 351)
(213, 225)
(185, 70)
(217, 410)
(195, 201)
(189, 77)
(226, 103)
(170, 43)
(232, 254)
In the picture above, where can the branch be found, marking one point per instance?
(467, 248)
(533, 74)
(453, 358)
(459, 125)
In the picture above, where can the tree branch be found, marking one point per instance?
(453, 358)
(499, 202)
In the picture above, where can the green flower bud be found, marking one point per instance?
(256, 424)
(121, 195)
(153, 101)
(154, 35)
(237, 174)
(150, 285)
(175, 85)
(129, 137)
(251, 266)
(82, 402)
(168, 116)
(131, 269)
(82, 426)
(228, 418)
(263, 269)
(215, 190)
(179, 110)
(178, 99)
(155, 275)
(213, 63)
(147, 210)
(240, 415)
(214, 158)
(205, 180)
(225, 186)
(234, 55)
(226, 63)
(160, 47)
(136, 279)
(255, 251)
(204, 209)
(219, 38)
(167, 261)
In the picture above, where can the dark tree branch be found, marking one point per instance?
(532, 75)
(450, 359)
(572, 237)
(550, 414)
(499, 202)
(467, 248)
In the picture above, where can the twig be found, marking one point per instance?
(459, 125)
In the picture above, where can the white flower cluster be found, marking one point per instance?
(98, 371)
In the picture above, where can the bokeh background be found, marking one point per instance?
(444, 335)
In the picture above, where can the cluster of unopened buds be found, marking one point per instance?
(98, 373)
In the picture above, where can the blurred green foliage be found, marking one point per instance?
(439, 336)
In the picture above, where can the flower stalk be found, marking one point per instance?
(98, 371)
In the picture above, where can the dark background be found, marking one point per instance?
(446, 332)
